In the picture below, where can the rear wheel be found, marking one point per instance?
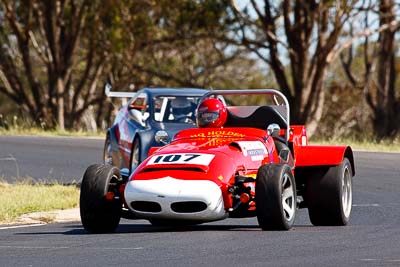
(329, 195)
(275, 197)
(99, 215)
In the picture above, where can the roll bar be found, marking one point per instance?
(274, 94)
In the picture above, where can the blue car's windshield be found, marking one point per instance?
(178, 109)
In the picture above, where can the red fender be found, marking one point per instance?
(309, 156)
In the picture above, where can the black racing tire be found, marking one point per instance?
(135, 154)
(329, 195)
(97, 214)
(276, 198)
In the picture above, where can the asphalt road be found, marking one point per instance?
(47, 158)
(372, 237)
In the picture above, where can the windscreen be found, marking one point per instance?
(175, 109)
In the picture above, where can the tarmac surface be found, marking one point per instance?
(370, 239)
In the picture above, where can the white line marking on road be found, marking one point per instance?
(25, 247)
(136, 248)
(366, 205)
(92, 248)
(381, 260)
(21, 226)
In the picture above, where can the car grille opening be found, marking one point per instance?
(188, 206)
(146, 206)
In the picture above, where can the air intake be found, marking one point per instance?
(188, 206)
(146, 206)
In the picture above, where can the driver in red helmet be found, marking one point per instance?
(211, 113)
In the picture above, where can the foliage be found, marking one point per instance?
(345, 115)
(39, 56)
(377, 84)
(55, 57)
(303, 32)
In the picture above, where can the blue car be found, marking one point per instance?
(150, 118)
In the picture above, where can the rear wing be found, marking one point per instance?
(109, 93)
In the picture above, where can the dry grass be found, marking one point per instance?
(367, 145)
(55, 132)
(22, 198)
(21, 125)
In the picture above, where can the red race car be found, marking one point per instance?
(241, 161)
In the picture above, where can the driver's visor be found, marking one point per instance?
(207, 117)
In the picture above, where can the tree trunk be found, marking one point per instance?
(386, 118)
(60, 104)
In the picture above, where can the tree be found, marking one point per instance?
(56, 54)
(384, 103)
(378, 80)
(173, 43)
(39, 59)
(177, 46)
(301, 34)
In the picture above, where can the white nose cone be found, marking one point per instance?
(171, 198)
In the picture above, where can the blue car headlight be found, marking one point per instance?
(161, 137)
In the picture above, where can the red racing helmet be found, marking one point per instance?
(211, 113)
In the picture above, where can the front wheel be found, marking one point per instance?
(276, 203)
(99, 215)
(329, 195)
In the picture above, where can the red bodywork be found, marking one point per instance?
(256, 164)
(231, 159)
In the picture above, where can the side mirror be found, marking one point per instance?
(273, 129)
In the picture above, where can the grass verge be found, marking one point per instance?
(55, 132)
(363, 145)
(22, 198)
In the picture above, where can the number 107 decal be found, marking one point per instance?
(182, 158)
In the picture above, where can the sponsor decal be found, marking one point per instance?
(255, 149)
(220, 133)
(257, 158)
(255, 152)
(213, 142)
(182, 158)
